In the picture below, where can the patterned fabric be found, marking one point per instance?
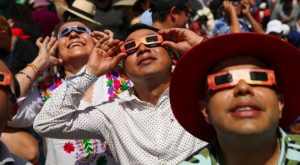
(136, 132)
(85, 151)
(116, 83)
(221, 26)
(289, 154)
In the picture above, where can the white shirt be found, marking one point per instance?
(136, 131)
(55, 151)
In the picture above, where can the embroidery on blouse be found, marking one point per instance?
(69, 147)
(117, 83)
(46, 84)
(87, 150)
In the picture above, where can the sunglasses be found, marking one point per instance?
(226, 79)
(67, 30)
(150, 41)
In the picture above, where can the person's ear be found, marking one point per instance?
(280, 104)
(173, 13)
(204, 110)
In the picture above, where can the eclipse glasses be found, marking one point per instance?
(78, 29)
(226, 79)
(5, 79)
(150, 41)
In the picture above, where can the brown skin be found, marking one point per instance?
(179, 39)
(232, 11)
(17, 141)
(148, 68)
(175, 19)
(6, 104)
(295, 129)
(252, 138)
(77, 54)
(21, 143)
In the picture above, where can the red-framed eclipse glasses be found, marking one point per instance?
(226, 79)
(150, 41)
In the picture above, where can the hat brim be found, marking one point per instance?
(82, 16)
(125, 3)
(191, 71)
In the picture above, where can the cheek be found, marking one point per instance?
(270, 99)
(219, 103)
(128, 63)
(61, 47)
(220, 98)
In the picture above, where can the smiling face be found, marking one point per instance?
(146, 62)
(75, 45)
(243, 109)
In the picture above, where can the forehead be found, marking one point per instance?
(139, 33)
(71, 24)
(241, 62)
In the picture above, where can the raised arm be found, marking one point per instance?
(246, 11)
(60, 116)
(232, 17)
(45, 59)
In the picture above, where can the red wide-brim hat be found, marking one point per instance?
(190, 76)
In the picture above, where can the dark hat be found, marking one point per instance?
(190, 76)
(165, 5)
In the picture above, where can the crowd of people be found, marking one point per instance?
(204, 82)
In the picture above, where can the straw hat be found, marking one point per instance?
(83, 9)
(124, 3)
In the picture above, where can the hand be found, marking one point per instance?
(47, 53)
(228, 8)
(97, 35)
(101, 61)
(180, 39)
(295, 129)
(109, 33)
(245, 7)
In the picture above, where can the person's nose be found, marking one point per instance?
(73, 34)
(142, 49)
(242, 88)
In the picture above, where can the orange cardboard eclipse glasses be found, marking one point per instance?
(150, 41)
(5, 79)
(230, 78)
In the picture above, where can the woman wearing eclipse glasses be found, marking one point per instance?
(138, 125)
(70, 49)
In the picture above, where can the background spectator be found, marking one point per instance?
(45, 18)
